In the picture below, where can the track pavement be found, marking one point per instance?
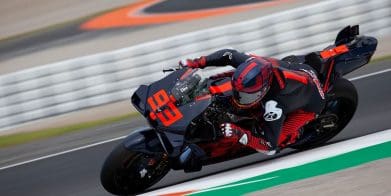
(77, 172)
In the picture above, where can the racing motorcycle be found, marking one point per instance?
(186, 108)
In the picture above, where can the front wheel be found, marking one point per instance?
(339, 110)
(127, 172)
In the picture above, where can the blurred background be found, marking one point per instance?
(68, 62)
(58, 57)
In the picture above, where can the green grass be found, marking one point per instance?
(382, 58)
(21, 138)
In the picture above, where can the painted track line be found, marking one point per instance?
(122, 137)
(63, 152)
(369, 75)
(216, 181)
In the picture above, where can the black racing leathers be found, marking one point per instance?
(294, 87)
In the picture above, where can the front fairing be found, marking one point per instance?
(168, 115)
(140, 96)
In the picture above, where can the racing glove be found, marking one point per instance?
(245, 137)
(194, 63)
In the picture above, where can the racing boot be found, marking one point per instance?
(246, 138)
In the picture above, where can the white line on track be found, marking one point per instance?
(122, 137)
(369, 75)
(64, 152)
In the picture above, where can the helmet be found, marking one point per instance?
(251, 81)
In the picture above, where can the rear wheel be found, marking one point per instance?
(339, 110)
(126, 172)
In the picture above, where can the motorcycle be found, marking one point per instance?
(186, 108)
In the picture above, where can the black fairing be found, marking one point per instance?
(176, 132)
(360, 52)
(143, 140)
(347, 34)
(173, 135)
(139, 98)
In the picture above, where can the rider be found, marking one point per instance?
(283, 96)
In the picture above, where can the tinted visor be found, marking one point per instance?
(243, 98)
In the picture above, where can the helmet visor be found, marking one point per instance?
(243, 98)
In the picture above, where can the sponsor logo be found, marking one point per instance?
(229, 54)
(316, 81)
(227, 130)
(272, 112)
(244, 139)
(143, 172)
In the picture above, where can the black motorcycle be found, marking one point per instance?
(186, 108)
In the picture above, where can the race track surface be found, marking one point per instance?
(77, 173)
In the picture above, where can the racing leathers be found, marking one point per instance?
(295, 98)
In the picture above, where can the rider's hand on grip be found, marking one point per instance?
(193, 63)
(230, 130)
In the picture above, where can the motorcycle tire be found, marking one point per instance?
(126, 172)
(342, 103)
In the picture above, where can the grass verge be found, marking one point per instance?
(21, 138)
(381, 58)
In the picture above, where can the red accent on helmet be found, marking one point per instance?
(238, 83)
(251, 81)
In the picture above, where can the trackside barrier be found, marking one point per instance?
(112, 76)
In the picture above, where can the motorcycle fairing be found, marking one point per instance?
(143, 140)
(359, 54)
(347, 34)
(140, 96)
(173, 137)
(169, 119)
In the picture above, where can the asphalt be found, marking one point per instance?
(77, 173)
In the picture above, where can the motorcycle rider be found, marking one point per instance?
(283, 96)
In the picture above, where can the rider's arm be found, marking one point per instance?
(274, 118)
(226, 57)
(219, 58)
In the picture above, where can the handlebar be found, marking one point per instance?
(170, 69)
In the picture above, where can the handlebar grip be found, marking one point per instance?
(171, 69)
